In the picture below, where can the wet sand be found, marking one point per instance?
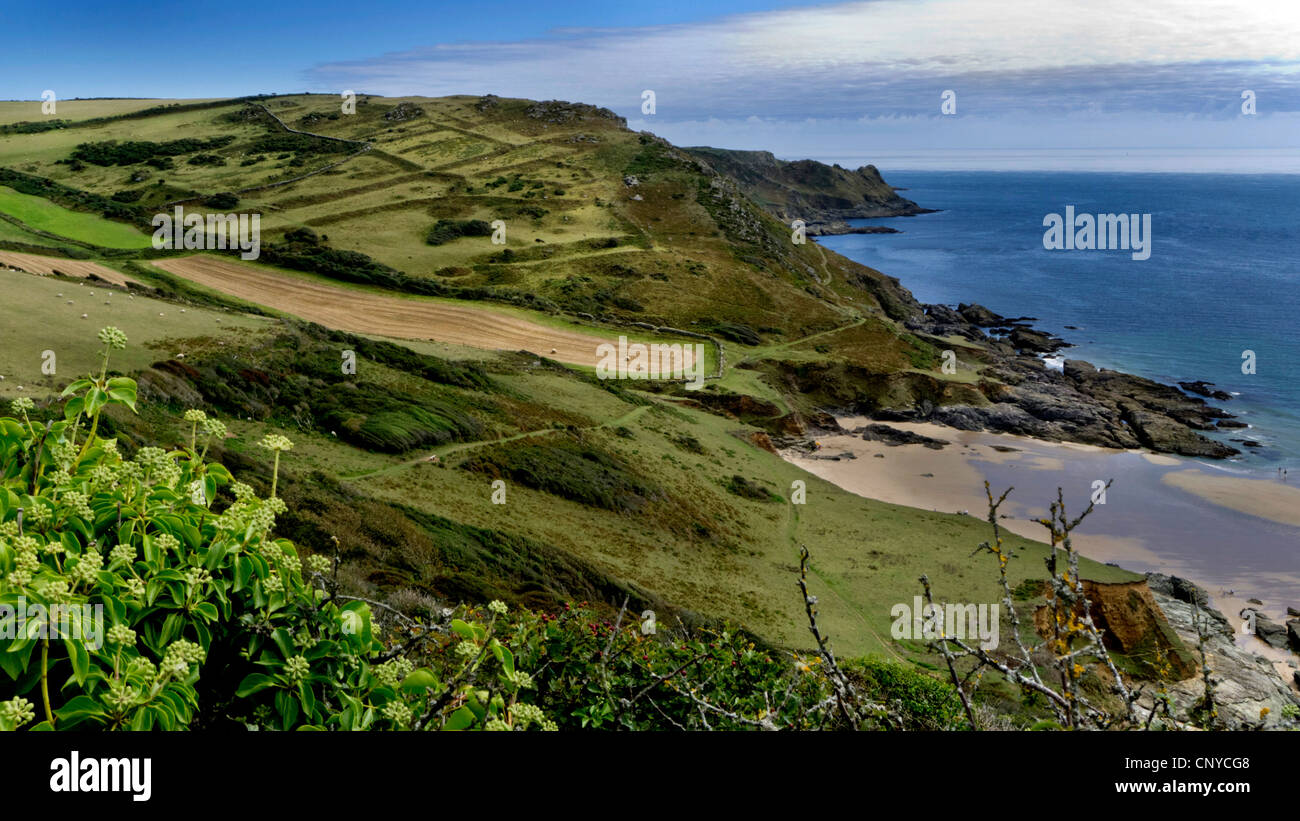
(1234, 533)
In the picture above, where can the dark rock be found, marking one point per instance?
(1293, 634)
(837, 227)
(1273, 634)
(1078, 369)
(1230, 423)
(1164, 434)
(894, 437)
(944, 314)
(1206, 389)
(1179, 588)
(402, 112)
(981, 316)
(1036, 341)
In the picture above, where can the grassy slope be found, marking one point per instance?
(45, 216)
(16, 111)
(38, 319)
(687, 251)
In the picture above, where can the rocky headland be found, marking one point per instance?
(823, 196)
(1019, 393)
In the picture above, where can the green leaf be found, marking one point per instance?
(96, 398)
(308, 700)
(122, 389)
(79, 657)
(463, 630)
(253, 683)
(171, 629)
(74, 407)
(287, 707)
(14, 658)
(78, 710)
(420, 680)
(462, 719)
(243, 569)
(284, 641)
(75, 387)
(504, 656)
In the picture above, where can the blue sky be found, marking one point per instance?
(1036, 81)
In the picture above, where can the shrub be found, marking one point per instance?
(445, 230)
(129, 152)
(223, 201)
(199, 608)
(923, 702)
(571, 469)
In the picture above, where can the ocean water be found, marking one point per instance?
(1223, 278)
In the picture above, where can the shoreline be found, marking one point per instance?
(1172, 497)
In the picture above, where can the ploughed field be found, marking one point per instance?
(46, 266)
(358, 311)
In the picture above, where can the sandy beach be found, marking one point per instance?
(1237, 537)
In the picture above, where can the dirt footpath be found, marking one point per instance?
(357, 311)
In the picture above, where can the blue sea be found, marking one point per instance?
(1223, 278)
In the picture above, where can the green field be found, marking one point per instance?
(44, 215)
(15, 111)
(38, 319)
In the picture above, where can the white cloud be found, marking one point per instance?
(1135, 68)
(848, 45)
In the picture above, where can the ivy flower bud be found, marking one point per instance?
(124, 553)
(18, 711)
(274, 441)
(112, 337)
(121, 634)
(297, 668)
(397, 712)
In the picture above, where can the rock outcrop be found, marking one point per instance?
(1244, 683)
(1078, 403)
(814, 192)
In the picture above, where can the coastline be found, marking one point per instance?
(1163, 513)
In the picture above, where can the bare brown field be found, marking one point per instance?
(357, 311)
(35, 264)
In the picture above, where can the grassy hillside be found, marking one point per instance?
(612, 488)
